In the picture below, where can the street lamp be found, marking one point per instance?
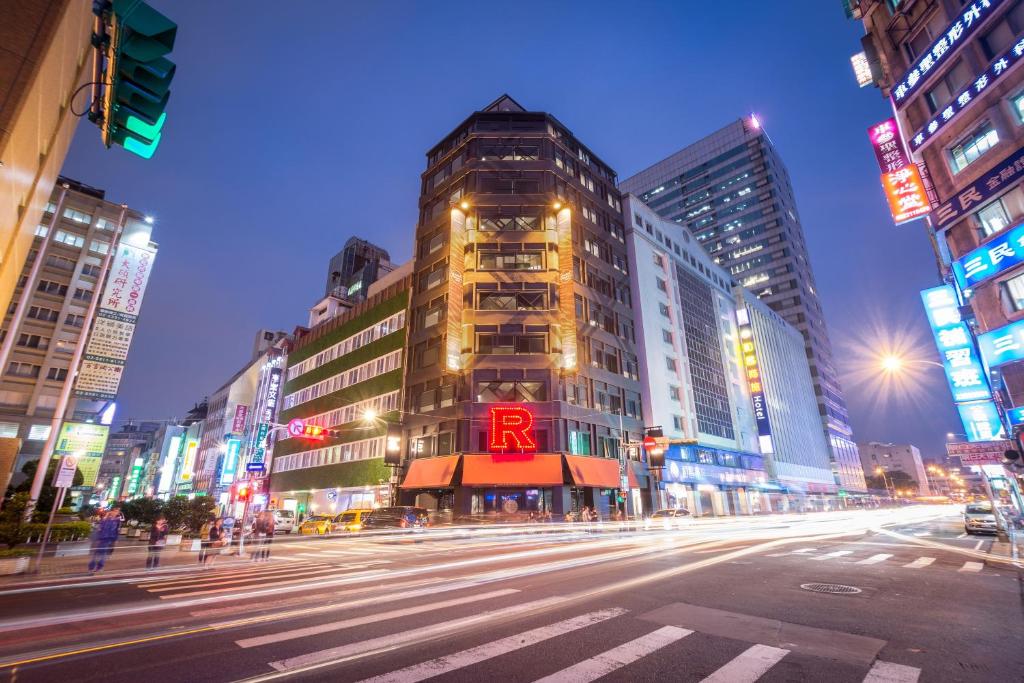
(893, 363)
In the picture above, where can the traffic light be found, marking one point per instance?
(243, 492)
(137, 76)
(313, 432)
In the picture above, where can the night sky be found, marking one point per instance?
(293, 126)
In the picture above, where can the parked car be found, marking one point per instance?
(666, 518)
(398, 517)
(979, 517)
(317, 525)
(350, 520)
(284, 521)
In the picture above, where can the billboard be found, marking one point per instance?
(888, 146)
(901, 178)
(1003, 176)
(107, 349)
(752, 371)
(1002, 253)
(86, 441)
(230, 467)
(981, 453)
(188, 462)
(981, 421)
(1003, 344)
(967, 378)
(238, 422)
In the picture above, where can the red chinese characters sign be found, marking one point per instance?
(901, 178)
(511, 430)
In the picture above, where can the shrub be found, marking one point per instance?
(59, 533)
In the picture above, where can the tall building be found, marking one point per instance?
(731, 191)
(895, 457)
(951, 72)
(56, 311)
(355, 267)
(123, 448)
(521, 346)
(46, 57)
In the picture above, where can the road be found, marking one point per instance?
(717, 600)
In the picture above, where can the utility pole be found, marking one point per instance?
(69, 381)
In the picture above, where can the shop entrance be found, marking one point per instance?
(511, 501)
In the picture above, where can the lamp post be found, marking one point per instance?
(885, 482)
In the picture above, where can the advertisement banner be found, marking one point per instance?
(905, 192)
(133, 477)
(967, 378)
(981, 421)
(981, 453)
(188, 462)
(888, 146)
(85, 441)
(1001, 254)
(238, 422)
(1002, 345)
(227, 473)
(64, 475)
(1003, 176)
(752, 370)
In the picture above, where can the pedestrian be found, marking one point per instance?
(104, 538)
(204, 540)
(268, 538)
(157, 541)
(216, 542)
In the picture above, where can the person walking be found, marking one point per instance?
(216, 541)
(268, 535)
(204, 540)
(104, 538)
(157, 541)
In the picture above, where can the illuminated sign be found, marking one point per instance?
(1003, 176)
(888, 146)
(944, 47)
(905, 191)
(238, 423)
(133, 477)
(752, 371)
(862, 69)
(1003, 345)
(511, 429)
(964, 371)
(981, 421)
(273, 393)
(963, 99)
(227, 472)
(989, 260)
(115, 488)
(259, 452)
(1015, 416)
(170, 462)
(188, 462)
(86, 441)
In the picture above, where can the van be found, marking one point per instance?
(284, 521)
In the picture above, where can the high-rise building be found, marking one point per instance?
(878, 458)
(124, 447)
(952, 74)
(521, 349)
(55, 313)
(355, 267)
(46, 57)
(731, 191)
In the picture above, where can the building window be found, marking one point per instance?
(45, 314)
(50, 287)
(673, 393)
(511, 392)
(523, 260)
(8, 430)
(1014, 288)
(666, 336)
(579, 443)
(91, 270)
(57, 374)
(512, 301)
(508, 344)
(77, 216)
(974, 146)
(948, 86)
(662, 285)
(74, 320)
(82, 294)
(69, 239)
(993, 218)
(670, 364)
(42, 231)
(39, 433)
(23, 370)
(99, 247)
(105, 224)
(34, 341)
(677, 423)
(663, 309)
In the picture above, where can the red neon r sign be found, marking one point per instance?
(511, 429)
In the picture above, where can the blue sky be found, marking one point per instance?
(293, 126)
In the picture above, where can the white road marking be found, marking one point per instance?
(875, 559)
(270, 585)
(618, 657)
(829, 556)
(749, 665)
(887, 672)
(920, 562)
(453, 662)
(803, 550)
(963, 535)
(977, 546)
(369, 619)
(972, 567)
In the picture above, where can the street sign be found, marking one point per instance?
(254, 467)
(650, 443)
(296, 427)
(65, 474)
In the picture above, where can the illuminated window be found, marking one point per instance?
(77, 216)
(1018, 107)
(39, 433)
(8, 430)
(1014, 288)
(993, 218)
(974, 146)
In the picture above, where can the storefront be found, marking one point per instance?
(712, 482)
(329, 501)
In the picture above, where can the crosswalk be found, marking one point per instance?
(572, 638)
(968, 566)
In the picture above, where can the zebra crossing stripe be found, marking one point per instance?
(368, 619)
(750, 665)
(459, 660)
(217, 581)
(920, 562)
(272, 584)
(618, 657)
(887, 672)
(972, 567)
(830, 556)
(875, 559)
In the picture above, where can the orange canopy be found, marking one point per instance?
(600, 472)
(431, 473)
(634, 483)
(543, 469)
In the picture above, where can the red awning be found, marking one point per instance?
(634, 483)
(542, 469)
(599, 472)
(431, 473)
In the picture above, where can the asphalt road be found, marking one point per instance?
(717, 600)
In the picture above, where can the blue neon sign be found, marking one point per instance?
(964, 371)
(1003, 345)
(227, 474)
(989, 260)
(981, 421)
(1015, 416)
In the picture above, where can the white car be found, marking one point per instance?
(667, 518)
(284, 521)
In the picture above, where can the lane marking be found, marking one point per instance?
(920, 562)
(830, 556)
(459, 660)
(269, 586)
(804, 550)
(972, 567)
(963, 535)
(253, 582)
(222, 579)
(977, 546)
(618, 657)
(369, 619)
(750, 665)
(887, 672)
(875, 559)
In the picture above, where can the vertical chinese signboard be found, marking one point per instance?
(100, 374)
(257, 463)
(752, 371)
(901, 179)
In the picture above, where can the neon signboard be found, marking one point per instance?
(989, 260)
(1003, 345)
(227, 474)
(943, 48)
(964, 371)
(981, 421)
(752, 371)
(511, 429)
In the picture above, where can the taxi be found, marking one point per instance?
(350, 520)
(317, 525)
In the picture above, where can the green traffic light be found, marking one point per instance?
(143, 129)
(136, 146)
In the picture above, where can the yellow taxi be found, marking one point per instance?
(350, 520)
(317, 525)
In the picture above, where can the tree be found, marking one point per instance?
(12, 524)
(48, 493)
(200, 509)
(176, 512)
(896, 479)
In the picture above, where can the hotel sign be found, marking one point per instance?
(752, 371)
(943, 48)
